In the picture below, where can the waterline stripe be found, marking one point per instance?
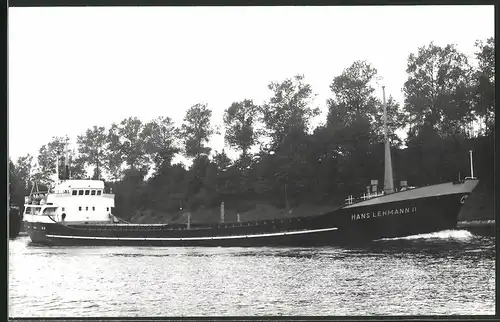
(198, 238)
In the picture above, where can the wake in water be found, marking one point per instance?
(449, 242)
(445, 235)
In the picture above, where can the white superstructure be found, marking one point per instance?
(71, 202)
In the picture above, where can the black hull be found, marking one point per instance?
(343, 226)
(15, 223)
(484, 228)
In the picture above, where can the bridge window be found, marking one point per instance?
(80, 192)
(28, 210)
(93, 208)
(62, 208)
(49, 211)
(86, 208)
(107, 208)
(87, 192)
(79, 208)
(74, 192)
(93, 193)
(98, 192)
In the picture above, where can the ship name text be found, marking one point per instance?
(383, 213)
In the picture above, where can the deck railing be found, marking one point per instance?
(350, 199)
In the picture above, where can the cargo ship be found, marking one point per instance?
(80, 212)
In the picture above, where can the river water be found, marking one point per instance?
(450, 272)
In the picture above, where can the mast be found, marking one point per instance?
(97, 170)
(66, 161)
(471, 166)
(57, 168)
(388, 176)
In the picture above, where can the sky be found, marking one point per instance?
(72, 68)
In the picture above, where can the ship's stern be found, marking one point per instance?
(36, 232)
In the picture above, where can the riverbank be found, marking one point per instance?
(479, 207)
(207, 215)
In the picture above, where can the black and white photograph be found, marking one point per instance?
(251, 161)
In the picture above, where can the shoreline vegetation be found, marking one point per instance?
(286, 168)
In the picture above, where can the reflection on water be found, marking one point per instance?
(450, 272)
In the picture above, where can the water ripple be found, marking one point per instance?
(451, 272)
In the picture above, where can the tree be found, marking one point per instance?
(23, 169)
(355, 115)
(132, 145)
(289, 109)
(221, 160)
(353, 95)
(20, 179)
(484, 78)
(91, 146)
(438, 90)
(396, 120)
(239, 122)
(223, 163)
(113, 157)
(196, 191)
(16, 186)
(196, 130)
(160, 137)
(77, 167)
(47, 156)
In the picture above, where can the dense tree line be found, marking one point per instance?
(445, 98)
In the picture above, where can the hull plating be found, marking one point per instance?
(357, 224)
